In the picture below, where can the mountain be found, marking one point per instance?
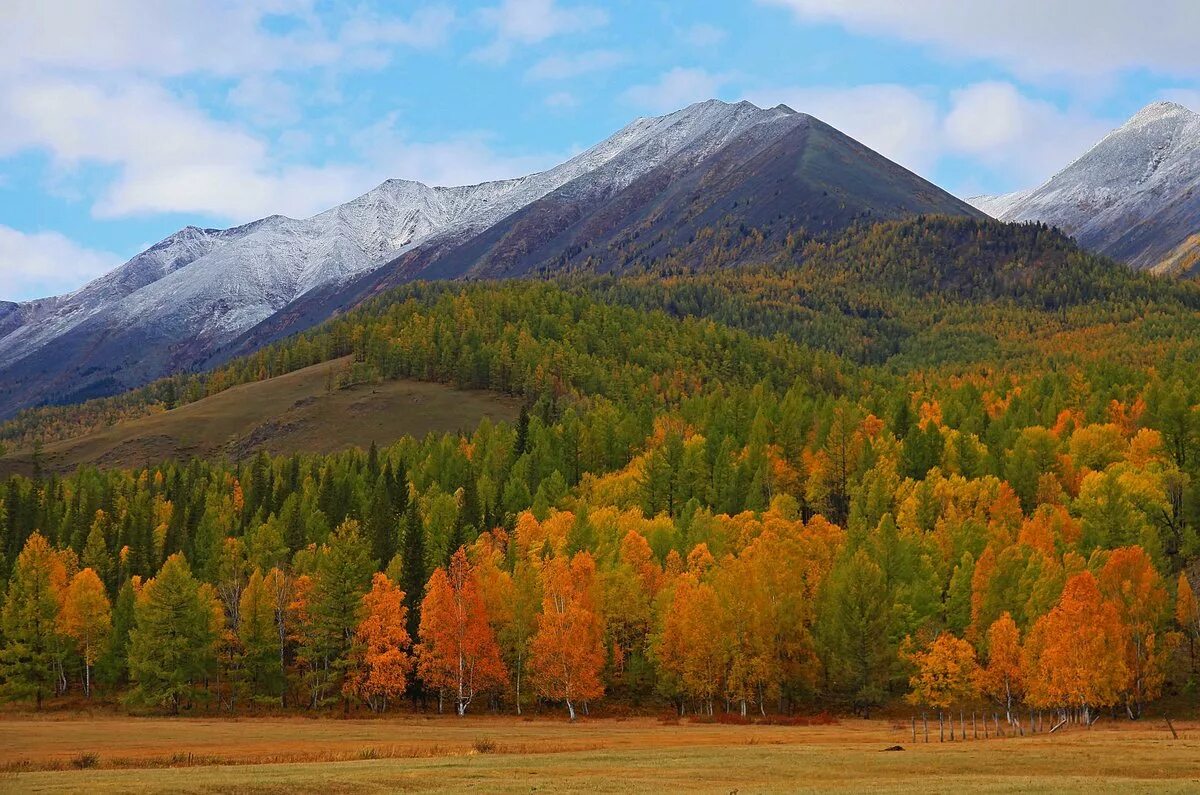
(1135, 196)
(639, 195)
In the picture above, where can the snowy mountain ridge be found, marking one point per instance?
(1135, 195)
(215, 283)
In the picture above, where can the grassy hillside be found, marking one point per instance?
(294, 413)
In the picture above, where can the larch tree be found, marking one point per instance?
(86, 618)
(258, 636)
(28, 658)
(852, 631)
(458, 651)
(381, 646)
(173, 644)
(567, 650)
(1003, 678)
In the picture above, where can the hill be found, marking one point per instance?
(306, 411)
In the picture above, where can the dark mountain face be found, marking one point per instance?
(713, 177)
(809, 177)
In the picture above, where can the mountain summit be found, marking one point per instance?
(1134, 196)
(640, 194)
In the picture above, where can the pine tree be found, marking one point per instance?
(343, 573)
(113, 667)
(381, 524)
(173, 645)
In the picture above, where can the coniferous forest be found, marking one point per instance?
(941, 462)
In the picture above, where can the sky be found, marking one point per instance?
(122, 121)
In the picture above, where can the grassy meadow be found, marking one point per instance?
(430, 754)
(292, 413)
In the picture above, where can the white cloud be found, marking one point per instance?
(37, 264)
(518, 22)
(675, 89)
(461, 160)
(990, 123)
(169, 156)
(218, 37)
(703, 34)
(1029, 139)
(561, 100)
(427, 27)
(265, 100)
(899, 122)
(1030, 37)
(565, 67)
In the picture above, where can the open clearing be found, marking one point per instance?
(288, 414)
(429, 754)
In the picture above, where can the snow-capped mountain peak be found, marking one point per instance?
(1135, 195)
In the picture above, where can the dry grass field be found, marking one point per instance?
(504, 754)
(288, 414)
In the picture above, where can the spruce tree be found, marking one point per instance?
(413, 569)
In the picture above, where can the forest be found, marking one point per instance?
(942, 462)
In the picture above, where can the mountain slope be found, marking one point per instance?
(1135, 196)
(785, 172)
(642, 193)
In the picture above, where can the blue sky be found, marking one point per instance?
(121, 121)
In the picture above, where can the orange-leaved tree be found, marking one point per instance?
(1075, 654)
(86, 618)
(1003, 678)
(458, 650)
(1130, 581)
(690, 646)
(381, 642)
(568, 651)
